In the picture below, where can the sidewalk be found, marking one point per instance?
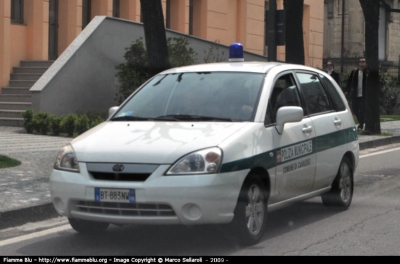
(24, 190)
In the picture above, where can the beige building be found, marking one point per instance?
(35, 31)
(43, 29)
(351, 36)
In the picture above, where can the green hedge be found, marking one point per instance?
(69, 125)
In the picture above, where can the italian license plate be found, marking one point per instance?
(114, 195)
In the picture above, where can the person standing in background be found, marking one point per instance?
(356, 88)
(330, 69)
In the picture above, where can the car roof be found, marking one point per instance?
(251, 66)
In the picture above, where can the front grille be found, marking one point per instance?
(104, 176)
(125, 209)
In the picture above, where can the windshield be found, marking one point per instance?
(205, 96)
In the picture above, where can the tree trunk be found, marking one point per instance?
(372, 109)
(154, 32)
(294, 31)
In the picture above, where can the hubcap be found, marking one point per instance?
(345, 183)
(255, 210)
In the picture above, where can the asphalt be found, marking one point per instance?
(24, 190)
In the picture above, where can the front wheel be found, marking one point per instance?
(250, 217)
(87, 227)
(341, 193)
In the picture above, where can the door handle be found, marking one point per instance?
(337, 122)
(307, 129)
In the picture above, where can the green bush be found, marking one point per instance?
(134, 72)
(95, 117)
(180, 54)
(55, 125)
(41, 123)
(68, 124)
(45, 123)
(82, 124)
(96, 122)
(28, 121)
(213, 54)
(390, 91)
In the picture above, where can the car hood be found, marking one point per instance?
(149, 142)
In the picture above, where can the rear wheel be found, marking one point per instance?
(341, 193)
(87, 227)
(250, 218)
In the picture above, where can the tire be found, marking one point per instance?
(87, 227)
(249, 222)
(341, 193)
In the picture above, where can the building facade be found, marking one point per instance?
(344, 38)
(43, 29)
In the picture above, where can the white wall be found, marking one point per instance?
(83, 77)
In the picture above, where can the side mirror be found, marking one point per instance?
(112, 110)
(288, 114)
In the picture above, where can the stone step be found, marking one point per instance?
(19, 83)
(13, 122)
(15, 98)
(25, 76)
(15, 90)
(11, 113)
(15, 106)
(36, 69)
(36, 63)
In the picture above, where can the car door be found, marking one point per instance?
(294, 147)
(329, 122)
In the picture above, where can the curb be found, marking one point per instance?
(22, 216)
(379, 142)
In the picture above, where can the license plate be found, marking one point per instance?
(114, 195)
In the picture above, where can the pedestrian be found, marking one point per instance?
(356, 89)
(330, 69)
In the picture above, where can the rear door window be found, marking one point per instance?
(316, 99)
(337, 101)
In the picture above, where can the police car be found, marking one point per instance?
(220, 143)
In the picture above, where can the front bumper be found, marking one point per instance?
(160, 199)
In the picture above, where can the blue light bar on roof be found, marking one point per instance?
(236, 52)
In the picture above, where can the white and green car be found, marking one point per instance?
(219, 143)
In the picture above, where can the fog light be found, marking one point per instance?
(191, 212)
(195, 212)
(59, 205)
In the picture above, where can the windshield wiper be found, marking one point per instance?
(193, 117)
(130, 118)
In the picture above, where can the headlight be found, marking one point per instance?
(199, 162)
(66, 160)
